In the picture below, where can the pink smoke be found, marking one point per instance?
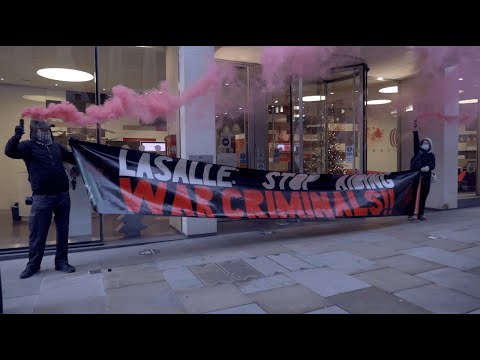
(433, 87)
(126, 102)
(281, 62)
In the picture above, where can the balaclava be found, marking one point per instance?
(40, 132)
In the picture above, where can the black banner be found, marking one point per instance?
(121, 181)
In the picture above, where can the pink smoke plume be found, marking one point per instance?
(433, 87)
(126, 102)
(279, 63)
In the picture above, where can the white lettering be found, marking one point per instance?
(357, 182)
(144, 167)
(224, 172)
(166, 174)
(296, 182)
(311, 178)
(180, 172)
(270, 183)
(285, 177)
(360, 182)
(123, 170)
(340, 184)
(206, 180)
(191, 174)
(388, 183)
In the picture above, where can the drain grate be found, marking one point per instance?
(149, 252)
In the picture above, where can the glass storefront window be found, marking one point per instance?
(20, 87)
(468, 146)
(139, 68)
(279, 130)
(231, 117)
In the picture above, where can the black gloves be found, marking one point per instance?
(19, 131)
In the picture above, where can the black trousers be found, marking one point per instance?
(424, 191)
(40, 218)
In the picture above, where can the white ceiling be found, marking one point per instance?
(135, 67)
(143, 68)
(389, 62)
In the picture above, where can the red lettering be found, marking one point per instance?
(385, 198)
(272, 211)
(143, 191)
(289, 209)
(372, 196)
(203, 196)
(307, 205)
(391, 192)
(227, 194)
(253, 199)
(357, 210)
(182, 202)
(341, 206)
(321, 205)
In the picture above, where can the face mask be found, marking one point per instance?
(44, 137)
(425, 147)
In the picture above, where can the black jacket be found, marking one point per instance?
(421, 157)
(44, 164)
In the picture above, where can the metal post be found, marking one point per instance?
(290, 166)
(99, 129)
(477, 184)
(301, 154)
(1, 294)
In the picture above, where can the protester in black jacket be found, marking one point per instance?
(50, 191)
(424, 161)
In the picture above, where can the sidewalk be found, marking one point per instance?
(358, 266)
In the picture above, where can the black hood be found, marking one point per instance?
(39, 124)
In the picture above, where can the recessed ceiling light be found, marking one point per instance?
(460, 91)
(2, 79)
(409, 108)
(226, 113)
(226, 84)
(332, 93)
(276, 101)
(460, 79)
(389, 90)
(393, 112)
(42, 98)
(56, 84)
(239, 108)
(313, 98)
(468, 101)
(103, 89)
(380, 78)
(378, 102)
(65, 74)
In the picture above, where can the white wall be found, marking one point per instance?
(381, 153)
(443, 193)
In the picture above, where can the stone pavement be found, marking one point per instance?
(357, 266)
